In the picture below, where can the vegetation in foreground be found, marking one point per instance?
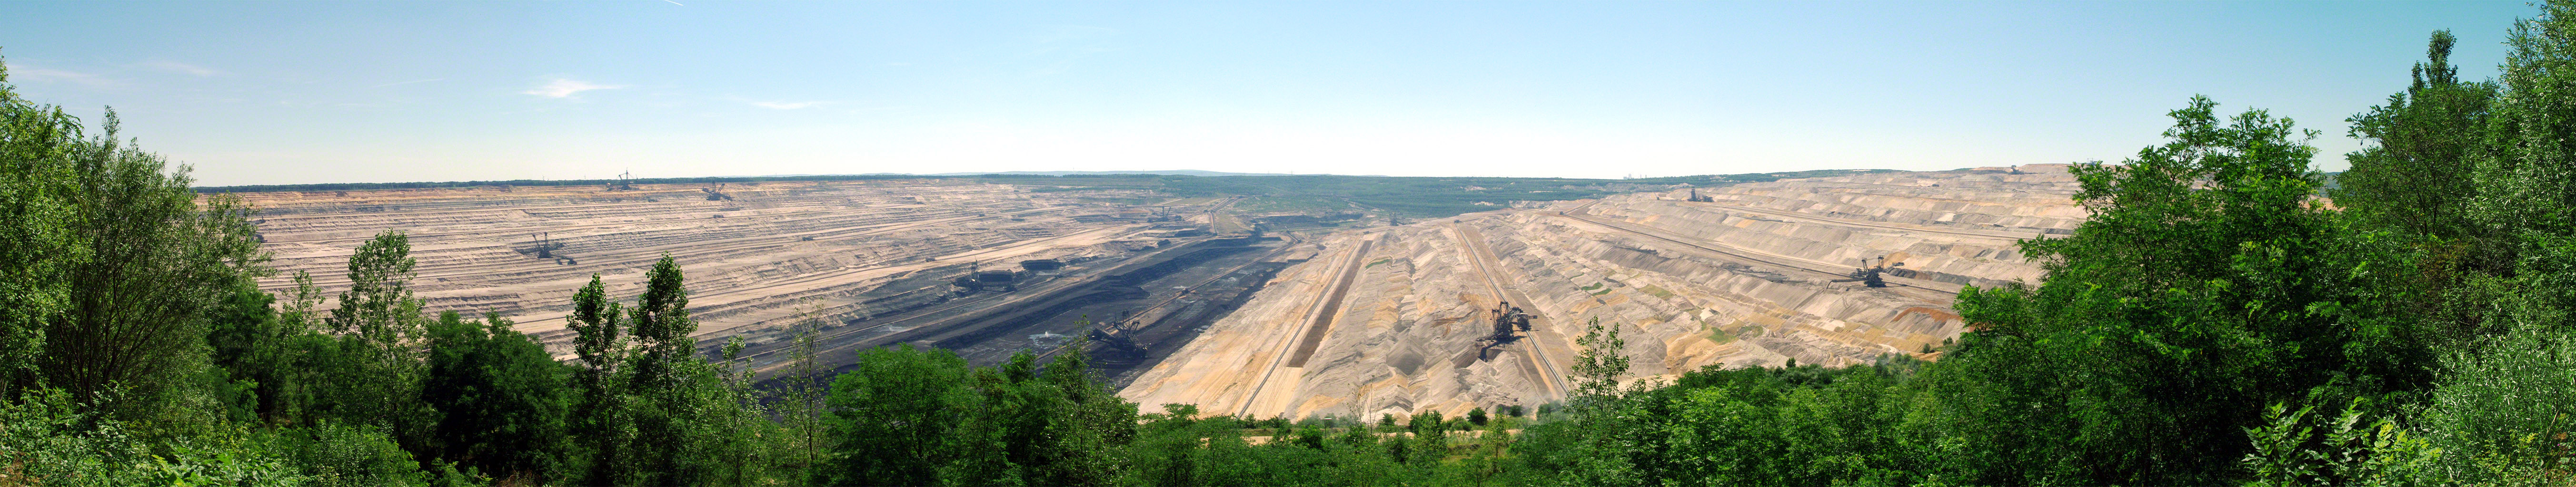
(2212, 324)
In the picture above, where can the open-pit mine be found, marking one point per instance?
(1179, 301)
(1429, 316)
(953, 263)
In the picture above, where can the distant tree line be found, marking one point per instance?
(2212, 323)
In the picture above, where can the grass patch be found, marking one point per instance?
(1720, 336)
(1656, 292)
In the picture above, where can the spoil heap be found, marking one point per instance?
(1388, 320)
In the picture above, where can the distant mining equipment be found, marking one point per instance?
(1870, 275)
(717, 193)
(625, 182)
(546, 246)
(1697, 198)
(1113, 338)
(1042, 265)
(1507, 320)
(977, 280)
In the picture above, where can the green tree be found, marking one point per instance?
(801, 400)
(2414, 172)
(37, 246)
(597, 415)
(892, 419)
(378, 370)
(500, 397)
(157, 266)
(1082, 435)
(2205, 287)
(1602, 410)
(731, 425)
(664, 374)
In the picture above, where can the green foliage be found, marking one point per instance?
(37, 246)
(917, 417)
(644, 409)
(597, 416)
(800, 403)
(892, 418)
(664, 379)
(2167, 344)
(2290, 450)
(1606, 420)
(2415, 174)
(341, 455)
(2204, 287)
(48, 439)
(157, 265)
(2505, 413)
(378, 364)
(500, 396)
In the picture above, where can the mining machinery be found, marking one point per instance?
(625, 182)
(1507, 319)
(1696, 198)
(717, 193)
(1113, 336)
(546, 246)
(978, 279)
(1871, 275)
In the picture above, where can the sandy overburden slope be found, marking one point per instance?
(853, 249)
(1742, 280)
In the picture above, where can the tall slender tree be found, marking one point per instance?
(380, 364)
(2415, 172)
(598, 414)
(801, 401)
(665, 378)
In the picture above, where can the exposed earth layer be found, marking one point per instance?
(1392, 319)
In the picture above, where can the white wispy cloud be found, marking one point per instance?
(788, 105)
(400, 83)
(177, 67)
(562, 87)
(37, 74)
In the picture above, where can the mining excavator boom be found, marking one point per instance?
(1872, 276)
(1114, 336)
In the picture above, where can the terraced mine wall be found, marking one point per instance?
(1055, 305)
(1746, 277)
(1167, 333)
(987, 328)
(852, 254)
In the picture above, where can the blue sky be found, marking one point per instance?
(310, 92)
